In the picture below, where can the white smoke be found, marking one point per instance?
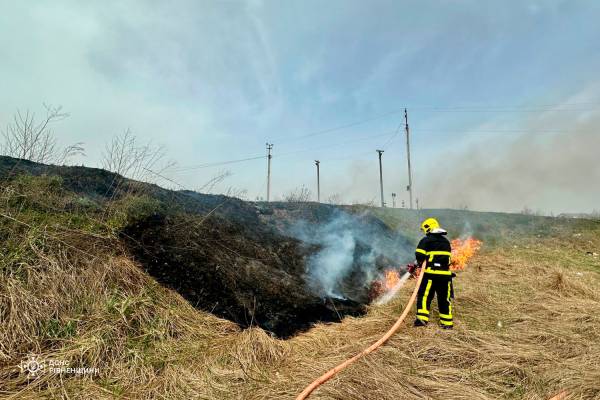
(349, 249)
(333, 262)
(543, 170)
(467, 231)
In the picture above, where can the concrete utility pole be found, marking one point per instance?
(380, 152)
(269, 156)
(393, 200)
(409, 187)
(317, 162)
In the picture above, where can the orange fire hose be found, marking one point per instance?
(332, 372)
(560, 396)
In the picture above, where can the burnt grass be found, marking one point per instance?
(249, 276)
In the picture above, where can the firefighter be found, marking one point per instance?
(434, 249)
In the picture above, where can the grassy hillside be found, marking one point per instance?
(494, 228)
(527, 314)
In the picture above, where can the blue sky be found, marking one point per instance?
(214, 80)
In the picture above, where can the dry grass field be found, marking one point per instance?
(527, 314)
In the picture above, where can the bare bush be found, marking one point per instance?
(30, 139)
(214, 181)
(527, 211)
(299, 195)
(368, 203)
(335, 198)
(126, 157)
(241, 194)
(530, 211)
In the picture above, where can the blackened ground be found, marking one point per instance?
(249, 276)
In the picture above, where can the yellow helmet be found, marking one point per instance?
(429, 224)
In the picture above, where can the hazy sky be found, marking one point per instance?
(503, 97)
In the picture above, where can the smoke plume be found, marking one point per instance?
(352, 251)
(550, 169)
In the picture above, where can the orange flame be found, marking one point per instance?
(462, 251)
(390, 279)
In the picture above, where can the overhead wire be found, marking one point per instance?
(484, 109)
(338, 144)
(384, 147)
(217, 163)
(343, 143)
(341, 127)
(284, 154)
(474, 109)
(391, 138)
(534, 108)
(164, 177)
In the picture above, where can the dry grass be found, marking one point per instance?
(517, 336)
(527, 325)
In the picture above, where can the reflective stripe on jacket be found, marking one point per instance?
(435, 249)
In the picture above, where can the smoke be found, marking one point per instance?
(545, 160)
(467, 230)
(554, 168)
(352, 251)
(332, 264)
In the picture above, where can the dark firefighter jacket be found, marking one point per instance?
(435, 249)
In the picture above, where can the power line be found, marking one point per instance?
(362, 153)
(395, 133)
(217, 163)
(164, 177)
(353, 155)
(523, 108)
(387, 143)
(393, 136)
(341, 127)
(474, 109)
(339, 144)
(479, 131)
(285, 154)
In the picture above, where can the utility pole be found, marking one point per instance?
(409, 187)
(393, 200)
(317, 162)
(269, 156)
(380, 152)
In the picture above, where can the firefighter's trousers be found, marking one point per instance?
(430, 286)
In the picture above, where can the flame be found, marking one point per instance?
(391, 279)
(388, 282)
(462, 251)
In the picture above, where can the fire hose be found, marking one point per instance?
(562, 395)
(332, 372)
